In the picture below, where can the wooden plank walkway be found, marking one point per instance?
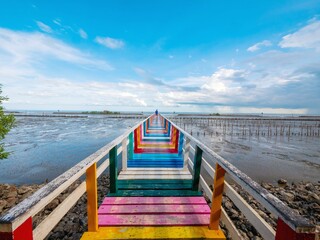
(154, 197)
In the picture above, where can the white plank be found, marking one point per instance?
(103, 167)
(140, 177)
(254, 218)
(119, 150)
(265, 230)
(44, 228)
(268, 200)
(233, 231)
(152, 172)
(36, 202)
(160, 169)
(186, 153)
(224, 216)
(124, 154)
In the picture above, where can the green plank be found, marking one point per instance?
(156, 181)
(130, 146)
(154, 186)
(154, 193)
(197, 168)
(113, 169)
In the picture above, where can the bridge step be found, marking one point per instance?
(148, 212)
(153, 200)
(185, 232)
(152, 174)
(156, 184)
(154, 218)
(154, 193)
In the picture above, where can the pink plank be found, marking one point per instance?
(147, 209)
(153, 200)
(154, 220)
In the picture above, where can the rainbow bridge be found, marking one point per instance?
(159, 175)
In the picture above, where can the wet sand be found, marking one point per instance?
(265, 156)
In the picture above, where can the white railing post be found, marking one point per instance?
(186, 153)
(124, 154)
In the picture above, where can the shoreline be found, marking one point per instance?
(302, 197)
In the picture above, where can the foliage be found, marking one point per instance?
(214, 114)
(102, 112)
(6, 123)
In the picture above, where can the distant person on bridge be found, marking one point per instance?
(157, 112)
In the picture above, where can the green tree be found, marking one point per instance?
(6, 123)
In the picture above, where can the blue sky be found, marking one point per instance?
(183, 56)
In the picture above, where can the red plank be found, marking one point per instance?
(24, 231)
(154, 220)
(153, 200)
(285, 232)
(148, 209)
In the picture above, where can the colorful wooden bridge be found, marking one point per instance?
(158, 176)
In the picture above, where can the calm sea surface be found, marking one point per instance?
(45, 147)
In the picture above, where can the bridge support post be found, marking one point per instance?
(124, 154)
(217, 197)
(92, 198)
(197, 168)
(186, 153)
(113, 169)
(285, 232)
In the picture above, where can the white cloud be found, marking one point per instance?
(83, 34)
(110, 42)
(224, 79)
(43, 27)
(57, 22)
(306, 37)
(258, 45)
(30, 47)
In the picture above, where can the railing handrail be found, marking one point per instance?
(269, 201)
(22, 211)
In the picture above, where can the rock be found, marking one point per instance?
(11, 202)
(314, 197)
(53, 204)
(3, 203)
(24, 189)
(287, 196)
(282, 181)
(309, 186)
(228, 204)
(256, 238)
(262, 214)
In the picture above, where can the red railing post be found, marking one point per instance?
(285, 232)
(23, 232)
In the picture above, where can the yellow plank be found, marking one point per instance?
(92, 203)
(217, 197)
(183, 232)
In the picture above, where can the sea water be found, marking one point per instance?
(42, 148)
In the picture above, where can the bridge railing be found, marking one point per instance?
(17, 222)
(290, 225)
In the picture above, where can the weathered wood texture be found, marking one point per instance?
(113, 169)
(92, 198)
(217, 198)
(35, 203)
(158, 232)
(154, 212)
(269, 201)
(197, 168)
